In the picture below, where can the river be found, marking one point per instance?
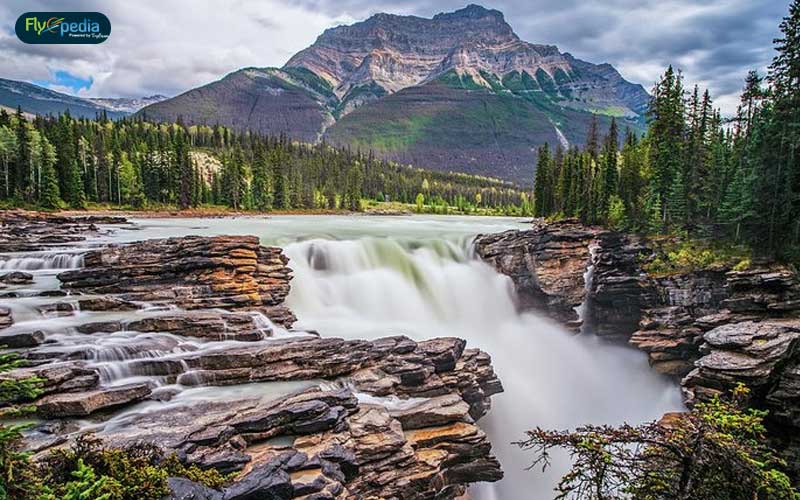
(369, 277)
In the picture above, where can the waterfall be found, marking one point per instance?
(364, 278)
(584, 310)
(374, 287)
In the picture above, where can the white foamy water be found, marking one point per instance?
(34, 261)
(369, 277)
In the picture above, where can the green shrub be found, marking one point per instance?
(14, 471)
(716, 451)
(141, 470)
(682, 255)
(87, 486)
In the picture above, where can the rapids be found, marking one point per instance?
(369, 277)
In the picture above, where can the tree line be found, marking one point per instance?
(62, 161)
(693, 171)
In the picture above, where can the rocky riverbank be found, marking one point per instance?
(187, 343)
(710, 328)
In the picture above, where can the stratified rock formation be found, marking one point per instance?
(184, 342)
(712, 328)
(222, 272)
(22, 231)
(546, 263)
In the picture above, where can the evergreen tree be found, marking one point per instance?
(778, 196)
(666, 133)
(542, 187)
(610, 174)
(50, 194)
(74, 195)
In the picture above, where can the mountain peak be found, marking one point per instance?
(471, 11)
(457, 91)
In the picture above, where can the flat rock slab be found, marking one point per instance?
(81, 404)
(21, 340)
(17, 278)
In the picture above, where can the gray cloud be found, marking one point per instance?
(170, 46)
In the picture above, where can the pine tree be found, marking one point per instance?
(50, 193)
(8, 153)
(542, 186)
(779, 193)
(677, 206)
(20, 181)
(666, 133)
(610, 174)
(74, 195)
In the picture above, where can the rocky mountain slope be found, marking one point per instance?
(41, 101)
(127, 104)
(460, 91)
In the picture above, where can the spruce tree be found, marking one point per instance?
(542, 186)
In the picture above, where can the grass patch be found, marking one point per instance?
(673, 256)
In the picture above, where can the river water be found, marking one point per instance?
(369, 277)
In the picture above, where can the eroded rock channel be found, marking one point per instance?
(710, 329)
(186, 342)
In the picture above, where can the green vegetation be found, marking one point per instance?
(396, 135)
(85, 471)
(717, 451)
(90, 470)
(691, 173)
(14, 393)
(683, 255)
(66, 162)
(311, 81)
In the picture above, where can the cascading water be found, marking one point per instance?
(378, 286)
(359, 277)
(35, 261)
(584, 310)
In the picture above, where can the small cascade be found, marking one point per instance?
(584, 310)
(37, 261)
(264, 324)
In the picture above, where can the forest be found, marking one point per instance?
(58, 162)
(732, 179)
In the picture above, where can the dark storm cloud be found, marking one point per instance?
(168, 47)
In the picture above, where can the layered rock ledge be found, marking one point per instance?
(222, 272)
(546, 264)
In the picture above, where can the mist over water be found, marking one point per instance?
(426, 288)
(369, 277)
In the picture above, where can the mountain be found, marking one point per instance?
(460, 91)
(41, 101)
(126, 104)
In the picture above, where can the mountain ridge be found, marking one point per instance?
(36, 99)
(459, 91)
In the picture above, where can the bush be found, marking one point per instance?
(86, 471)
(717, 451)
(140, 470)
(14, 470)
(681, 255)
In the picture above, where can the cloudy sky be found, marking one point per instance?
(169, 46)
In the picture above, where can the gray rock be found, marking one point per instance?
(184, 489)
(80, 404)
(17, 278)
(20, 340)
